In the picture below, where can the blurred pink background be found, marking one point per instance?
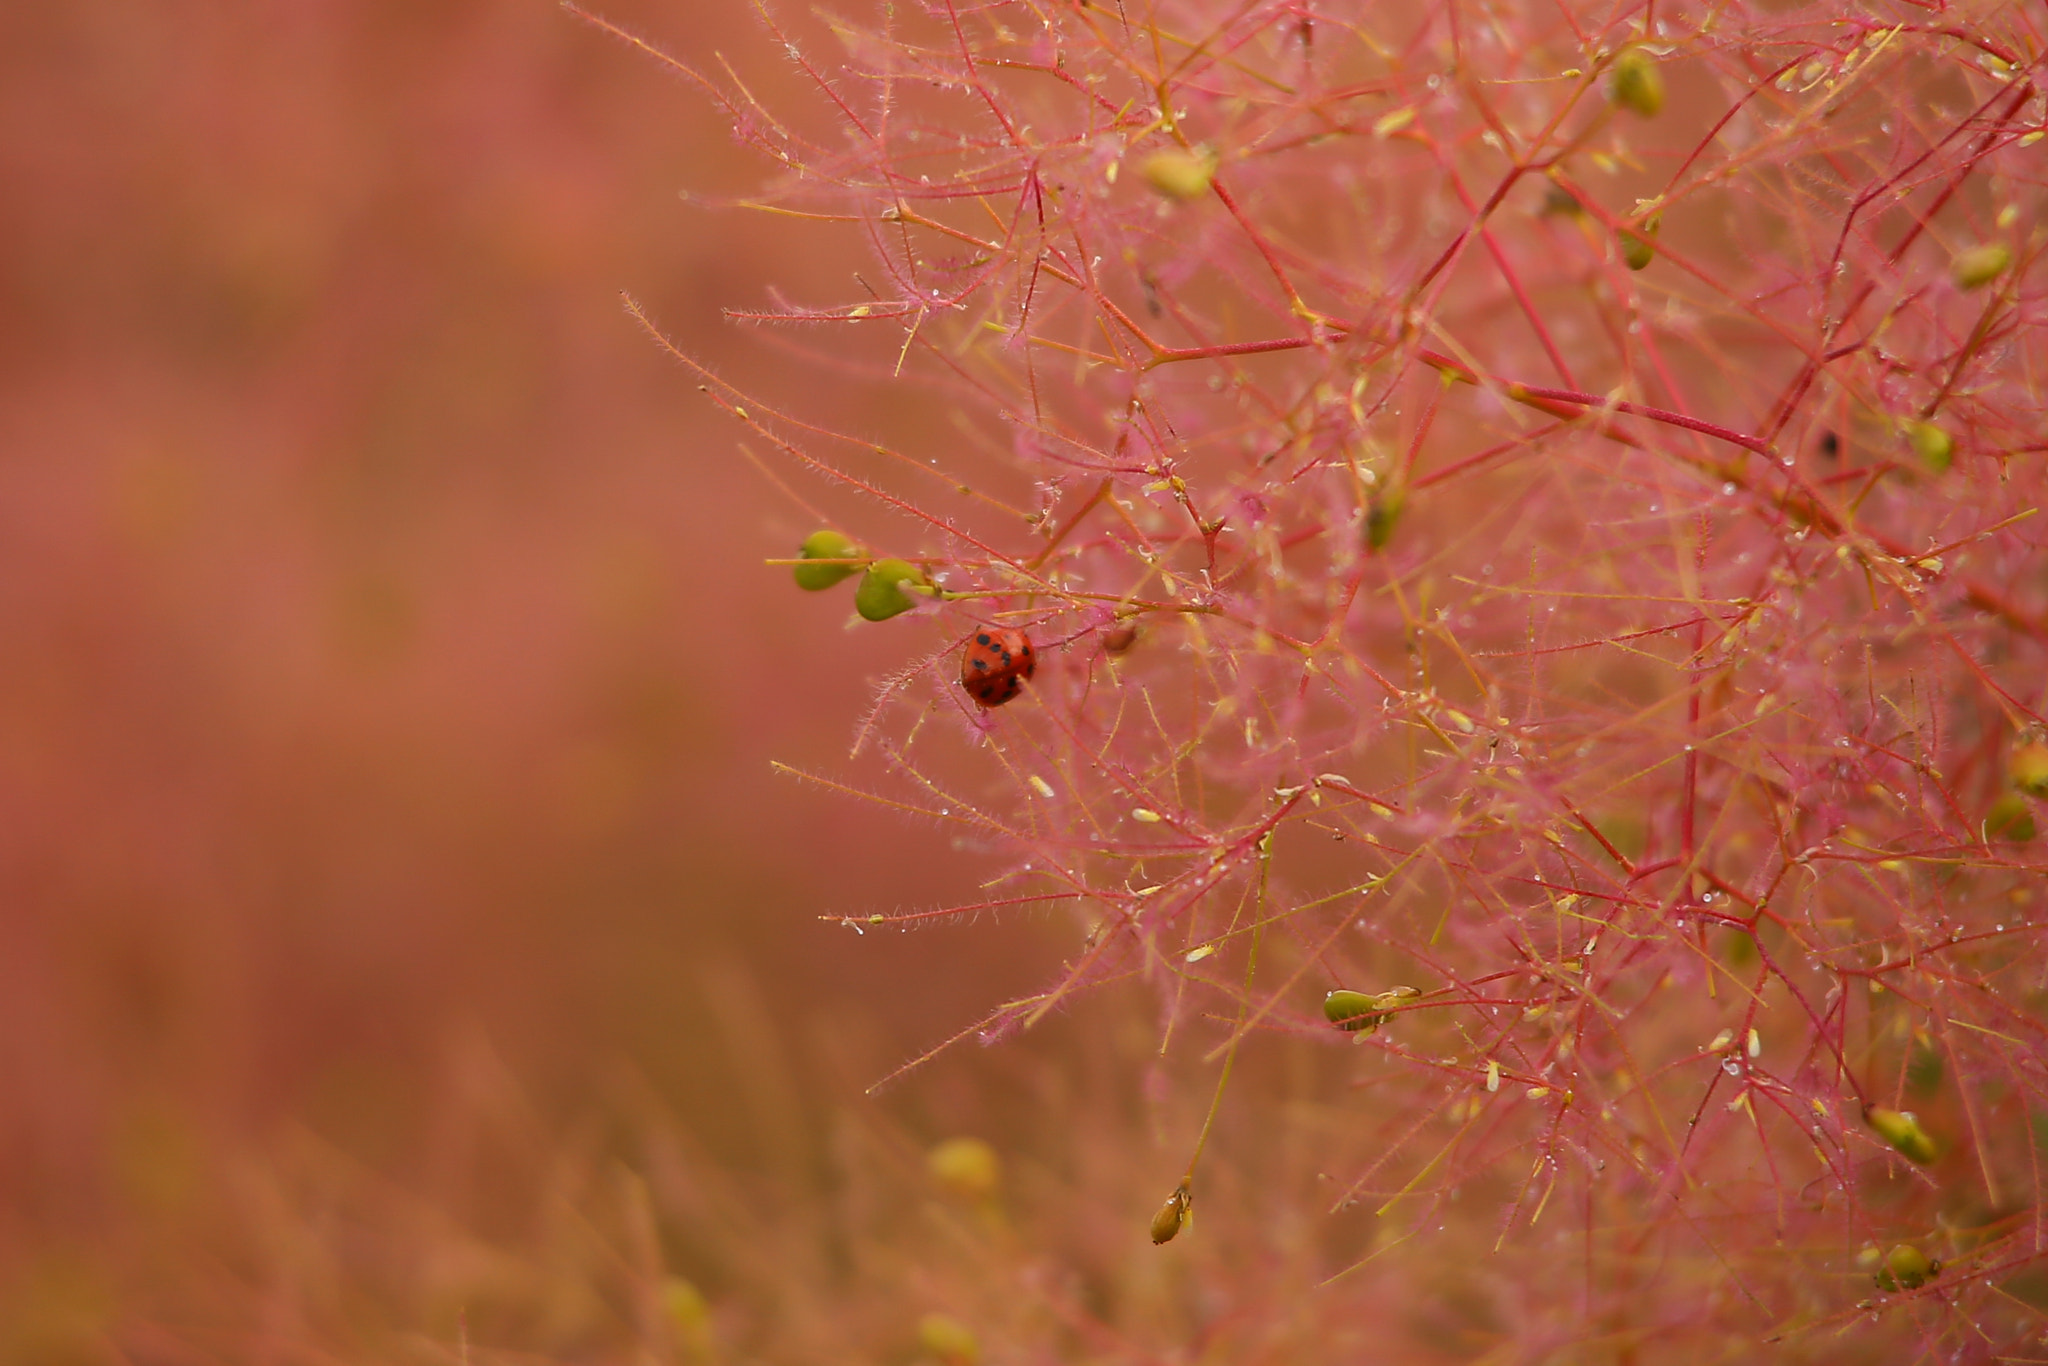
(390, 676)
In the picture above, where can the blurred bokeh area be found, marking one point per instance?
(402, 924)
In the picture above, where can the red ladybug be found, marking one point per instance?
(995, 664)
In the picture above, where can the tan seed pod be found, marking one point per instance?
(1635, 84)
(1119, 638)
(1173, 1216)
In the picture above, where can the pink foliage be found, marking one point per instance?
(1639, 662)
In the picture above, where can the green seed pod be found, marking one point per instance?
(825, 545)
(1382, 515)
(1179, 174)
(884, 591)
(1560, 202)
(966, 1168)
(1935, 447)
(949, 1340)
(1635, 84)
(1979, 266)
(1352, 1011)
(1902, 1130)
(1638, 249)
(2029, 769)
(2010, 819)
(1906, 1268)
(1174, 1215)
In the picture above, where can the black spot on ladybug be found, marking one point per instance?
(983, 639)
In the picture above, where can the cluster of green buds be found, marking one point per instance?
(885, 585)
(1355, 1012)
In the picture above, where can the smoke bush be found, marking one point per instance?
(1531, 502)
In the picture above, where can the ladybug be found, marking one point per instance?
(995, 664)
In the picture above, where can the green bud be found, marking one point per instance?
(1906, 1268)
(1179, 174)
(884, 591)
(825, 545)
(2010, 818)
(1935, 447)
(949, 1340)
(1382, 515)
(966, 1168)
(1979, 266)
(2029, 769)
(1559, 201)
(1638, 249)
(1635, 84)
(1902, 1130)
(1352, 1011)
(1173, 1216)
